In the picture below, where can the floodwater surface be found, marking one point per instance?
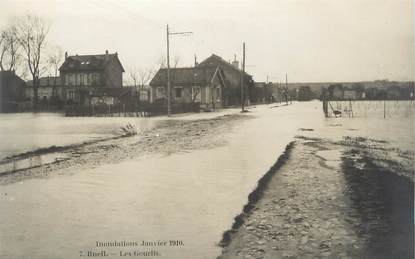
(191, 197)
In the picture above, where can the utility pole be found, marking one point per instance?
(242, 79)
(168, 75)
(286, 89)
(168, 66)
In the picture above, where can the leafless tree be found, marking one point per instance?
(31, 33)
(54, 61)
(9, 49)
(145, 76)
(133, 76)
(162, 62)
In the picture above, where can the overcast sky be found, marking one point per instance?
(310, 40)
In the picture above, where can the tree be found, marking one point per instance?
(9, 49)
(54, 60)
(31, 33)
(145, 76)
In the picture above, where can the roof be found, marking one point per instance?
(7, 75)
(215, 60)
(89, 62)
(185, 76)
(46, 81)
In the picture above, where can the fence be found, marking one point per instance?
(368, 108)
(128, 110)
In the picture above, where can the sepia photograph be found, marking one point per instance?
(222, 129)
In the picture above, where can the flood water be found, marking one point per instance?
(24, 132)
(192, 197)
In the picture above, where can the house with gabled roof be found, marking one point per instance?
(201, 85)
(212, 83)
(81, 75)
(232, 78)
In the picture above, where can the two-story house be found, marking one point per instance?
(84, 76)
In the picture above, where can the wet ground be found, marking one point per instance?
(339, 202)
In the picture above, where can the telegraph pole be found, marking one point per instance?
(286, 89)
(168, 66)
(242, 79)
(168, 75)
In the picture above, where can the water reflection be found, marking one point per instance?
(30, 162)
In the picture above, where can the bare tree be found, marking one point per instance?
(133, 75)
(145, 76)
(31, 33)
(9, 49)
(162, 62)
(54, 61)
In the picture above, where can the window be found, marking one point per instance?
(81, 79)
(177, 92)
(196, 94)
(160, 92)
(70, 95)
(95, 77)
(88, 79)
(217, 94)
(69, 79)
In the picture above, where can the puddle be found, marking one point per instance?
(331, 158)
(30, 162)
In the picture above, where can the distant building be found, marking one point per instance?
(349, 94)
(305, 94)
(82, 75)
(336, 92)
(263, 92)
(393, 93)
(11, 91)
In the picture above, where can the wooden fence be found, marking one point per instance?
(128, 110)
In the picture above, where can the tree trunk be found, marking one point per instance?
(35, 95)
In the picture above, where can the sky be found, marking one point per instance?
(309, 40)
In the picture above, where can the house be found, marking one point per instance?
(264, 92)
(11, 91)
(393, 93)
(81, 75)
(212, 83)
(336, 91)
(349, 94)
(203, 85)
(232, 79)
(48, 88)
(305, 94)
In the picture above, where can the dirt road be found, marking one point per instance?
(329, 200)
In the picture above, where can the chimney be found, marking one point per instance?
(196, 61)
(106, 52)
(235, 62)
(66, 55)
